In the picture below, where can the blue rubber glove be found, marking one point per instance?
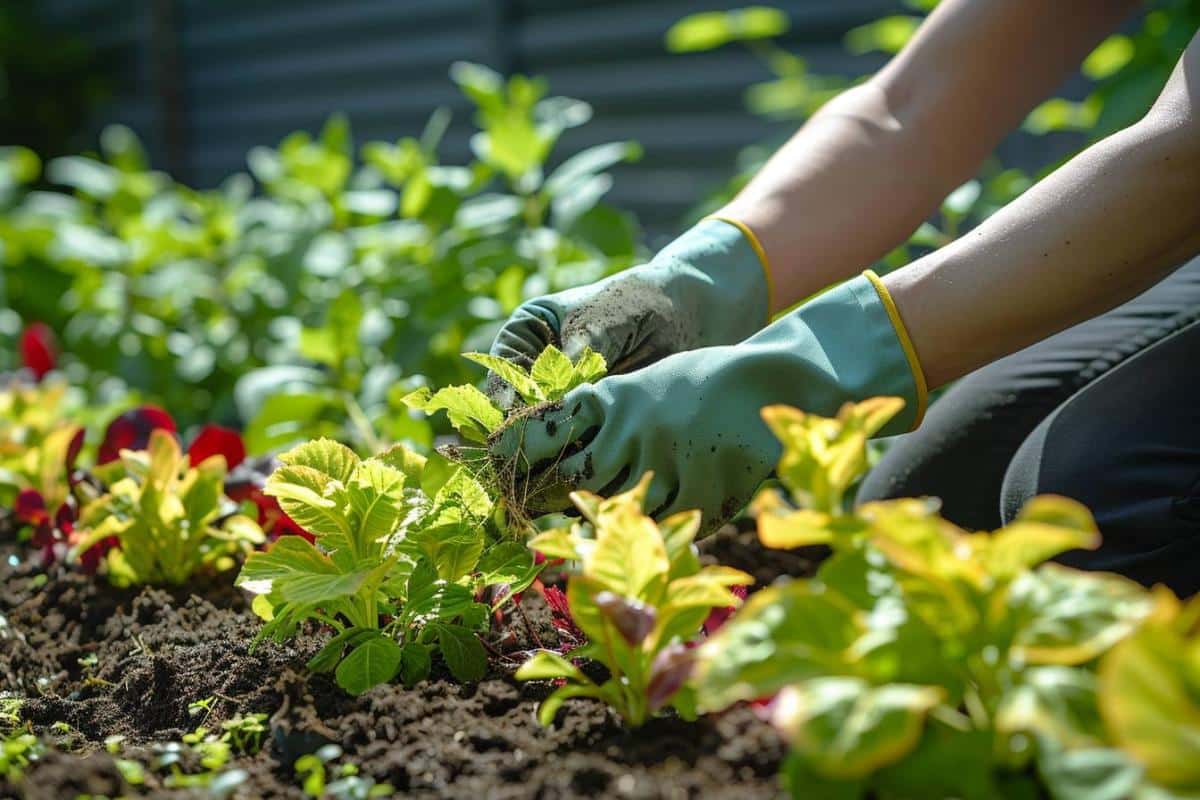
(693, 418)
(708, 287)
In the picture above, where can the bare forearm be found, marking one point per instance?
(1098, 231)
(865, 171)
(845, 190)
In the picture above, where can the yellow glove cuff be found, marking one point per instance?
(762, 258)
(910, 352)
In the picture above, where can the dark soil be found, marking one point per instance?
(108, 662)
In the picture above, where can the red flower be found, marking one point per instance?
(131, 431)
(245, 484)
(215, 440)
(39, 351)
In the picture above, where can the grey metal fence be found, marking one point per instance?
(203, 81)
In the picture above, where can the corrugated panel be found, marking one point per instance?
(250, 73)
(256, 74)
(119, 34)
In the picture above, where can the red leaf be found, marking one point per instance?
(39, 350)
(30, 507)
(131, 431)
(668, 672)
(633, 619)
(717, 617)
(216, 440)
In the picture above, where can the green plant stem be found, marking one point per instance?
(362, 424)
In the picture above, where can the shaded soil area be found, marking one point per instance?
(93, 662)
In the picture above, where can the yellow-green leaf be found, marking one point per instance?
(845, 728)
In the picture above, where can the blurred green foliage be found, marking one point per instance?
(1126, 73)
(296, 297)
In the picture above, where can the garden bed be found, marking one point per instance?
(108, 662)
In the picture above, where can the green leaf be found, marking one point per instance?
(289, 556)
(1109, 57)
(328, 656)
(508, 563)
(330, 458)
(1148, 690)
(549, 707)
(553, 372)
(1089, 774)
(589, 162)
(376, 495)
(371, 663)
(408, 461)
(1063, 616)
(546, 665)
(415, 663)
(711, 29)
(462, 651)
(885, 35)
(1045, 527)
(1055, 702)
(317, 589)
(782, 635)
(311, 498)
(847, 729)
(470, 411)
(555, 543)
(512, 374)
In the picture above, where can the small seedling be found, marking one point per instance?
(640, 596)
(167, 515)
(402, 545)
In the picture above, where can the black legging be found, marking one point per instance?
(1106, 412)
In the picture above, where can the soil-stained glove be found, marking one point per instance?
(693, 417)
(708, 287)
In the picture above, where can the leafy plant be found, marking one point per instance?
(168, 517)
(402, 543)
(296, 298)
(315, 769)
(1149, 695)
(18, 750)
(640, 597)
(922, 660)
(473, 414)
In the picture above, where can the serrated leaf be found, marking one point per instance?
(376, 495)
(511, 373)
(415, 663)
(509, 563)
(371, 663)
(289, 556)
(553, 373)
(470, 411)
(311, 498)
(408, 461)
(330, 458)
(463, 653)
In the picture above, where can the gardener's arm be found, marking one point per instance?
(1099, 230)
(865, 171)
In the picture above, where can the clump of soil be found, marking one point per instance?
(127, 663)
